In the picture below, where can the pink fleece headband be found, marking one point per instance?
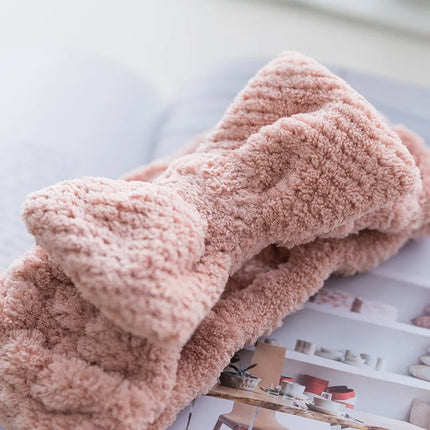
(92, 337)
(297, 156)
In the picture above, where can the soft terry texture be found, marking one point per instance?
(65, 366)
(298, 155)
(279, 281)
(335, 187)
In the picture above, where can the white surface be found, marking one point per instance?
(373, 395)
(169, 41)
(408, 381)
(93, 112)
(64, 115)
(406, 15)
(407, 297)
(366, 319)
(400, 349)
(383, 393)
(410, 265)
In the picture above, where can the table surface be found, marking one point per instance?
(263, 400)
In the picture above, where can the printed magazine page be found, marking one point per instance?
(215, 215)
(360, 342)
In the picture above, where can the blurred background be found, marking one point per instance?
(167, 41)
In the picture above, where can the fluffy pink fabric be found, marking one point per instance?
(298, 155)
(67, 358)
(59, 355)
(65, 366)
(278, 282)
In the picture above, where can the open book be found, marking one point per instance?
(66, 115)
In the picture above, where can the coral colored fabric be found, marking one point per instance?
(297, 156)
(143, 286)
(278, 282)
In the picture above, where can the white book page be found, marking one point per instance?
(65, 115)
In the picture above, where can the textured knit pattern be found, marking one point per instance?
(67, 358)
(298, 155)
(65, 366)
(278, 282)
